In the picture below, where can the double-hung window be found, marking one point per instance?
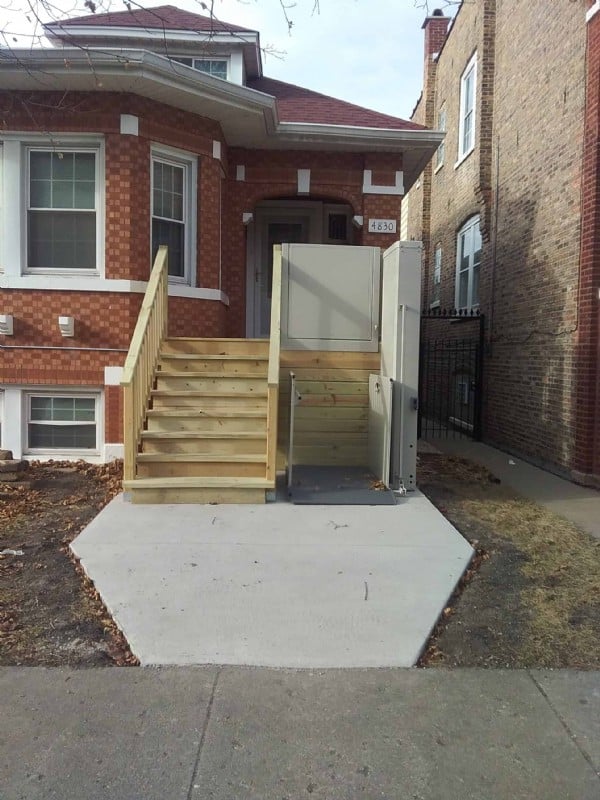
(62, 209)
(468, 94)
(468, 262)
(62, 422)
(173, 211)
(441, 126)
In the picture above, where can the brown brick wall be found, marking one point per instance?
(530, 104)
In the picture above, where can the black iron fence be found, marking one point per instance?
(450, 374)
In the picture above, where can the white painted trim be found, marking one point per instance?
(130, 125)
(303, 181)
(240, 172)
(97, 284)
(189, 163)
(216, 150)
(370, 188)
(112, 376)
(471, 65)
(11, 427)
(592, 11)
(194, 37)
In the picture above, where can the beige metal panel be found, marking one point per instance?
(380, 426)
(330, 298)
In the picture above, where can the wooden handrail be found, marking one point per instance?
(273, 371)
(142, 358)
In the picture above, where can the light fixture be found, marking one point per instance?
(6, 324)
(66, 325)
(247, 217)
(357, 221)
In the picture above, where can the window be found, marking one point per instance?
(62, 209)
(437, 276)
(441, 126)
(217, 67)
(468, 261)
(468, 89)
(173, 206)
(62, 422)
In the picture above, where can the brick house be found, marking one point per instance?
(150, 127)
(508, 214)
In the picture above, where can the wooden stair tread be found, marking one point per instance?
(198, 482)
(194, 413)
(244, 458)
(264, 342)
(216, 394)
(230, 376)
(204, 434)
(189, 356)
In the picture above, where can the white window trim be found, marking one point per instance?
(437, 271)
(62, 392)
(472, 65)
(14, 194)
(195, 57)
(189, 161)
(439, 163)
(470, 223)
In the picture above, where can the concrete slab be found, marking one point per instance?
(420, 734)
(274, 585)
(579, 504)
(575, 696)
(100, 734)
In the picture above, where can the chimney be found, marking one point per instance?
(436, 28)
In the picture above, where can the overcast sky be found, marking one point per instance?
(368, 52)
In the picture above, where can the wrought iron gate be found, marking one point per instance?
(450, 375)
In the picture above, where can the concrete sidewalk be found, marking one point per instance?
(579, 504)
(229, 733)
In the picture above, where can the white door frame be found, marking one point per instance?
(276, 211)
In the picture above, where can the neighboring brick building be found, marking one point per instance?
(149, 127)
(507, 80)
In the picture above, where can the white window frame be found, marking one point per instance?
(437, 276)
(189, 162)
(14, 193)
(468, 226)
(441, 151)
(62, 392)
(190, 61)
(71, 147)
(470, 69)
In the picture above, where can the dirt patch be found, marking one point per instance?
(534, 599)
(50, 614)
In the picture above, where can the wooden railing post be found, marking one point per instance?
(142, 358)
(273, 373)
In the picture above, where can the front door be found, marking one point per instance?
(273, 228)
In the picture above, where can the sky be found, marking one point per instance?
(368, 52)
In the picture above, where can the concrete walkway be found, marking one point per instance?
(255, 734)
(275, 585)
(578, 504)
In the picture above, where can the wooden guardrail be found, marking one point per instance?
(142, 358)
(273, 373)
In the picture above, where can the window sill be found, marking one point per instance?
(438, 168)
(435, 304)
(464, 157)
(63, 273)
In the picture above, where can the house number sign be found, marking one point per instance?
(382, 226)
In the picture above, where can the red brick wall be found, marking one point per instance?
(107, 319)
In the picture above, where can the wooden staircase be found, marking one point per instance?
(200, 415)
(205, 438)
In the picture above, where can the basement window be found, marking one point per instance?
(62, 422)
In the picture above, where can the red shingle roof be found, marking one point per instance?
(296, 104)
(161, 17)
